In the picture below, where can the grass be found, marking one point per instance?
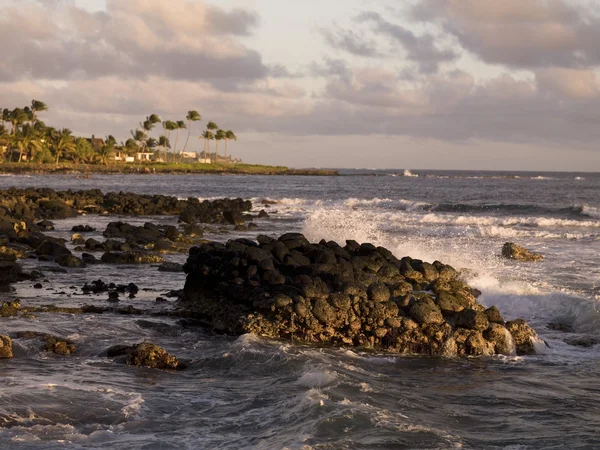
(151, 167)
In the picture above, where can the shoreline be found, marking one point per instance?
(159, 168)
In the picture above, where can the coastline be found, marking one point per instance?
(159, 168)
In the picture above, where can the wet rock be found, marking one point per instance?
(170, 267)
(45, 225)
(10, 271)
(426, 311)
(5, 347)
(70, 261)
(473, 320)
(52, 248)
(77, 239)
(513, 251)
(52, 344)
(83, 229)
(494, 316)
(583, 341)
(113, 296)
(557, 326)
(130, 258)
(10, 309)
(523, 335)
(55, 209)
(150, 355)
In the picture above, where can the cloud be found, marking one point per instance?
(421, 49)
(179, 39)
(349, 41)
(520, 34)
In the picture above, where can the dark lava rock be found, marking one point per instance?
(150, 355)
(83, 229)
(10, 309)
(45, 225)
(52, 344)
(130, 258)
(70, 261)
(513, 251)
(5, 347)
(170, 267)
(583, 341)
(561, 327)
(357, 295)
(523, 335)
(52, 248)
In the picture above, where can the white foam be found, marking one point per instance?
(590, 211)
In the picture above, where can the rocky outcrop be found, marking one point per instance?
(358, 295)
(145, 354)
(32, 205)
(510, 250)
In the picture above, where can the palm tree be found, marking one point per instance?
(36, 107)
(107, 149)
(148, 124)
(229, 136)
(208, 136)
(192, 116)
(163, 141)
(18, 117)
(179, 125)
(62, 142)
(4, 141)
(26, 140)
(5, 115)
(219, 136)
(168, 126)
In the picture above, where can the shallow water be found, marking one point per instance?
(252, 393)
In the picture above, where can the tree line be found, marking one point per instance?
(24, 137)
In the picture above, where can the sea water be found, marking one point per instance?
(249, 392)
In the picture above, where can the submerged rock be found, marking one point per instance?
(130, 258)
(52, 344)
(358, 295)
(510, 250)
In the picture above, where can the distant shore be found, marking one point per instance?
(159, 168)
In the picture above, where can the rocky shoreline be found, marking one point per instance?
(286, 288)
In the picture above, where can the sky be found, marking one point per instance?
(417, 84)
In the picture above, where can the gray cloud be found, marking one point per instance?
(421, 49)
(349, 41)
(521, 34)
(134, 39)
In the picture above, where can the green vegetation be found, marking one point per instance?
(25, 138)
(165, 168)
(28, 145)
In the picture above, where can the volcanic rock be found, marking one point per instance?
(358, 295)
(511, 250)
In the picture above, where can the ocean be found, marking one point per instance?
(252, 393)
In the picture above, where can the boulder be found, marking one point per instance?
(70, 261)
(513, 251)
(83, 229)
(5, 347)
(52, 248)
(10, 309)
(150, 355)
(524, 336)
